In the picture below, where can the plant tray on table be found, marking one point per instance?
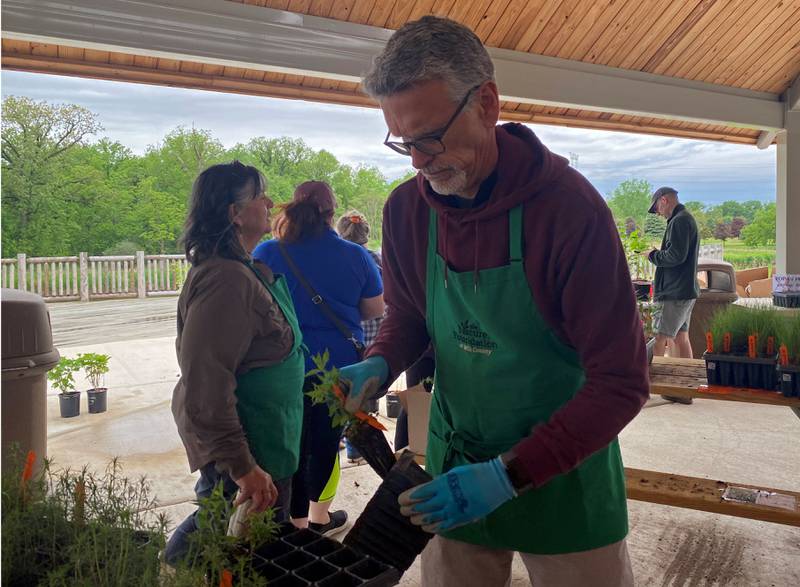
(741, 348)
(789, 357)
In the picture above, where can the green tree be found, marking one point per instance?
(631, 199)
(761, 232)
(36, 138)
(654, 227)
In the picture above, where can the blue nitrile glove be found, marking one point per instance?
(364, 378)
(461, 496)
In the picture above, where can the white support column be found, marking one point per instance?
(787, 237)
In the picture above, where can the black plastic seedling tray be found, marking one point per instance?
(786, 300)
(381, 531)
(789, 380)
(299, 558)
(733, 370)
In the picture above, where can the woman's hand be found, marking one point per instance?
(257, 485)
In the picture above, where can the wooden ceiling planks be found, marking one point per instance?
(753, 44)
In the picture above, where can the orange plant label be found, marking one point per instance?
(226, 579)
(371, 420)
(751, 346)
(27, 472)
(784, 353)
(770, 345)
(726, 342)
(338, 392)
(709, 342)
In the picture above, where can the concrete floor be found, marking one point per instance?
(746, 443)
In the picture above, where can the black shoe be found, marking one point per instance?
(337, 524)
(678, 400)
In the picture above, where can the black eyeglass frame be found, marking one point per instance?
(404, 147)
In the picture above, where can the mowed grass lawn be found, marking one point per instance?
(742, 256)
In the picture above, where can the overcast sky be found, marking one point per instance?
(140, 115)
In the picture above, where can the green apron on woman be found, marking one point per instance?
(500, 372)
(270, 399)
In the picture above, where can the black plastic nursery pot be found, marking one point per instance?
(381, 531)
(642, 289)
(97, 400)
(392, 406)
(786, 300)
(789, 380)
(70, 404)
(733, 370)
(305, 557)
(371, 444)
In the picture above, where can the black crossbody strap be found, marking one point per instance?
(319, 301)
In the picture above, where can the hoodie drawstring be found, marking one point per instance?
(444, 247)
(475, 266)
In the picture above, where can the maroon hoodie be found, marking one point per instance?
(577, 273)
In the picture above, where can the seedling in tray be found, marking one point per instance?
(364, 431)
(741, 348)
(789, 356)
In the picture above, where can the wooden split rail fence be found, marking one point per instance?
(87, 277)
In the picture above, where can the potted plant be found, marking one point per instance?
(95, 366)
(363, 430)
(789, 356)
(633, 245)
(741, 347)
(62, 378)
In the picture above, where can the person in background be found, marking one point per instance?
(238, 405)
(346, 280)
(675, 287)
(354, 227)
(497, 254)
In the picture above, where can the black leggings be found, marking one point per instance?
(318, 474)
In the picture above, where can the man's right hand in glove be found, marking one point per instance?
(364, 379)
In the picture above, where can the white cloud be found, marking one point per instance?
(140, 115)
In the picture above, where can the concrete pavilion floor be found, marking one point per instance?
(745, 443)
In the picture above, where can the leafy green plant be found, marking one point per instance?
(63, 375)
(789, 337)
(212, 552)
(94, 366)
(633, 245)
(65, 527)
(729, 320)
(741, 323)
(363, 430)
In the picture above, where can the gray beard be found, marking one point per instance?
(453, 186)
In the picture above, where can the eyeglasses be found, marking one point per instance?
(430, 144)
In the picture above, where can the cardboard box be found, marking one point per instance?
(760, 288)
(745, 276)
(417, 404)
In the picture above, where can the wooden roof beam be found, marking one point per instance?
(253, 37)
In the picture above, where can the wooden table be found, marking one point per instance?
(686, 378)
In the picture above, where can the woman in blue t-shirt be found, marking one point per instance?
(344, 275)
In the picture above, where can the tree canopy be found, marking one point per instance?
(62, 193)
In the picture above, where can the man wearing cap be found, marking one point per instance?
(507, 261)
(675, 289)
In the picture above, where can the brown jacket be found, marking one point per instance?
(228, 324)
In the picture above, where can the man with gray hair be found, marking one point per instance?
(675, 288)
(508, 262)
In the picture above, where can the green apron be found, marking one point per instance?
(270, 399)
(501, 371)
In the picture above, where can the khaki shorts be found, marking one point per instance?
(672, 316)
(448, 563)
